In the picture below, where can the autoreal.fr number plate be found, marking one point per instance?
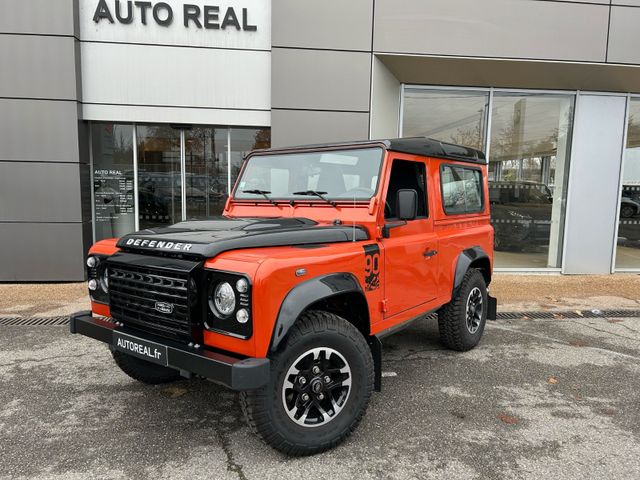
(140, 348)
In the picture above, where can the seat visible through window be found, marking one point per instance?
(406, 175)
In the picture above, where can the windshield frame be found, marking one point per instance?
(311, 149)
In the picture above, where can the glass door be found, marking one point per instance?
(159, 179)
(628, 241)
(206, 171)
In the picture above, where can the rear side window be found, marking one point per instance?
(461, 189)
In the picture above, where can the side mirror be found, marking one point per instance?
(407, 204)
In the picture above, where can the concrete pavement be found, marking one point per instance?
(536, 399)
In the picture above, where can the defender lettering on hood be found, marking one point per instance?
(159, 244)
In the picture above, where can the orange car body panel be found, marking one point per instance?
(410, 282)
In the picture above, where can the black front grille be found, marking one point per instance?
(151, 299)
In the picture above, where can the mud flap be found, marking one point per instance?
(376, 352)
(492, 311)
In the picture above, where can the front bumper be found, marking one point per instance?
(237, 374)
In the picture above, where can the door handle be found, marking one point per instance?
(429, 253)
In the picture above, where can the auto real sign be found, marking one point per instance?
(243, 24)
(162, 13)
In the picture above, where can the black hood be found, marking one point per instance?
(208, 238)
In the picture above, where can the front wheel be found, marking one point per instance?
(461, 321)
(320, 385)
(143, 371)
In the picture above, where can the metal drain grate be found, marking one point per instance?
(538, 315)
(569, 314)
(34, 320)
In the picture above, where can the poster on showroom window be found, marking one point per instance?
(113, 196)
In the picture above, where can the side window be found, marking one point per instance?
(406, 175)
(461, 189)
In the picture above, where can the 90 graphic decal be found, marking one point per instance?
(371, 267)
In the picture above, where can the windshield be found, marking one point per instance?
(337, 174)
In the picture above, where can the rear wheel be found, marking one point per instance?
(144, 371)
(320, 384)
(461, 321)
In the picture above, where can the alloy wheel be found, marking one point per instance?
(316, 387)
(474, 310)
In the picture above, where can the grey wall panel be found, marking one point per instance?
(121, 74)
(334, 24)
(291, 127)
(500, 28)
(40, 192)
(323, 80)
(593, 183)
(624, 35)
(37, 16)
(385, 102)
(37, 67)
(42, 251)
(38, 130)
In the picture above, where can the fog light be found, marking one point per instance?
(92, 262)
(242, 285)
(242, 316)
(93, 284)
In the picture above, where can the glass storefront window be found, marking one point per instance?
(528, 173)
(628, 248)
(455, 116)
(206, 171)
(211, 162)
(112, 153)
(159, 181)
(243, 140)
(528, 149)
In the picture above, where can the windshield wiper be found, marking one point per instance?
(264, 193)
(316, 193)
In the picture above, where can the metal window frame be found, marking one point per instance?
(229, 160)
(614, 254)
(136, 219)
(92, 186)
(183, 176)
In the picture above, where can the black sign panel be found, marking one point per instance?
(137, 347)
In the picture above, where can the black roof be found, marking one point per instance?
(424, 146)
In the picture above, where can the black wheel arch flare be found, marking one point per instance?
(307, 293)
(474, 257)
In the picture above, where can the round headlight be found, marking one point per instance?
(242, 315)
(92, 262)
(242, 285)
(224, 299)
(93, 284)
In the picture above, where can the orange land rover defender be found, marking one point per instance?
(320, 252)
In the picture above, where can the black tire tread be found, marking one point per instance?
(252, 402)
(449, 325)
(143, 371)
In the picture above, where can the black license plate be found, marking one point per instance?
(141, 348)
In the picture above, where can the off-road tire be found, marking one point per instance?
(264, 409)
(452, 317)
(143, 371)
